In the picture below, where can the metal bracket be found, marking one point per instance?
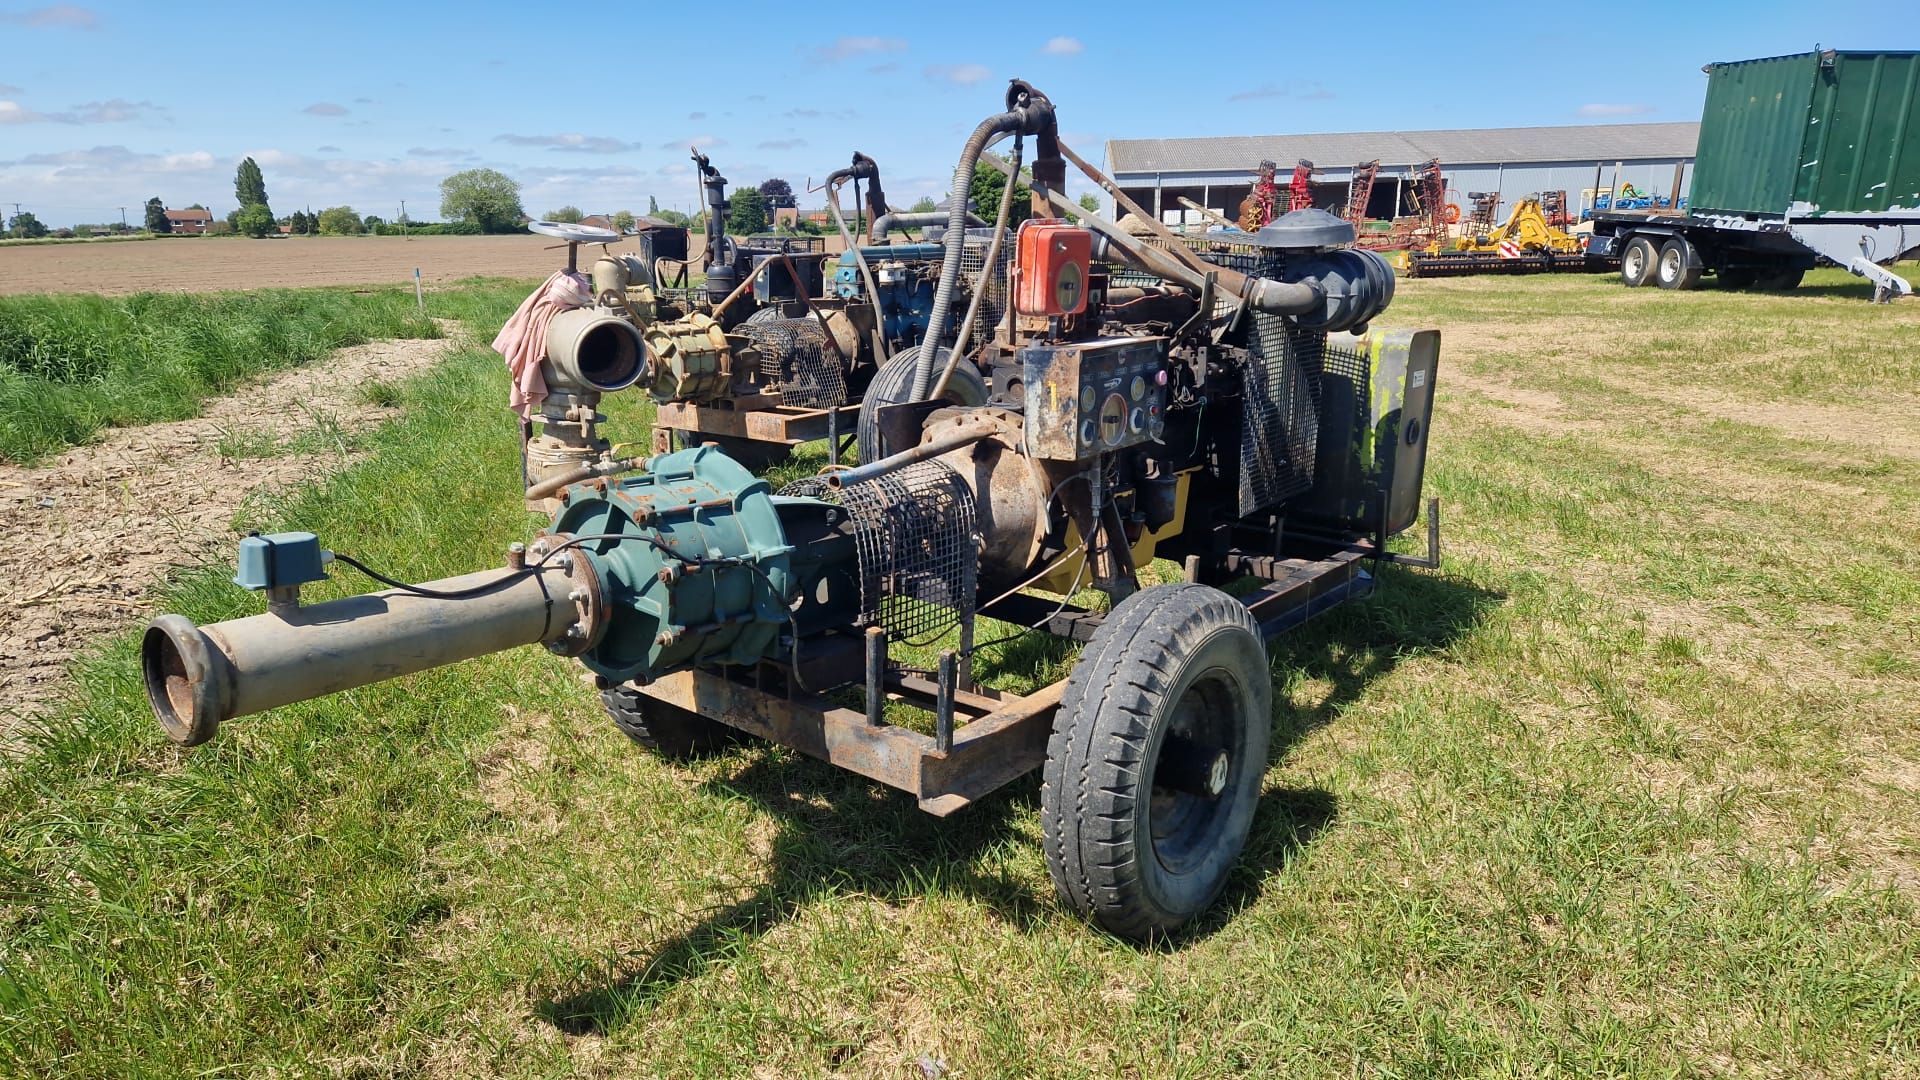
(1431, 560)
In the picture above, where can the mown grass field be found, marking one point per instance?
(1628, 789)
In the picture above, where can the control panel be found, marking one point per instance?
(1088, 397)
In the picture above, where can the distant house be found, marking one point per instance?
(192, 222)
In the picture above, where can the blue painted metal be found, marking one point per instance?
(278, 560)
(905, 302)
(692, 561)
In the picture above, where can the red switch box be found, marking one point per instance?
(1050, 268)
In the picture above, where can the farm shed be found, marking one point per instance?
(1218, 172)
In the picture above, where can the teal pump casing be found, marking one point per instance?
(693, 565)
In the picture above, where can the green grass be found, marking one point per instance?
(71, 365)
(1626, 790)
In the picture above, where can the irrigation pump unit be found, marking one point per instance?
(1223, 409)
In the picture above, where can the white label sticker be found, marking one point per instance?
(1418, 379)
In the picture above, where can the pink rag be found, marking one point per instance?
(523, 340)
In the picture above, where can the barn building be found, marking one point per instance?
(1218, 172)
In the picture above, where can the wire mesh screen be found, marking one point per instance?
(795, 357)
(1280, 411)
(994, 308)
(914, 531)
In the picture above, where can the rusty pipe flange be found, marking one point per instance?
(585, 591)
(189, 682)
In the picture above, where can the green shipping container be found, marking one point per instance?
(1826, 133)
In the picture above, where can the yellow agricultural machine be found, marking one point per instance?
(1527, 242)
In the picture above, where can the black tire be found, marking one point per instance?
(1173, 689)
(1738, 277)
(764, 315)
(674, 733)
(1637, 262)
(1677, 268)
(1781, 281)
(894, 381)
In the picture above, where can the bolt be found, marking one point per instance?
(577, 596)
(576, 631)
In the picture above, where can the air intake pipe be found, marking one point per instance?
(910, 219)
(1029, 112)
(863, 168)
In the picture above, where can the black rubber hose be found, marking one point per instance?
(1028, 112)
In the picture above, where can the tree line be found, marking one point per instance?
(488, 201)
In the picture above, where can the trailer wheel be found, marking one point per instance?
(1738, 277)
(1677, 269)
(674, 733)
(1636, 262)
(1782, 281)
(1154, 765)
(894, 382)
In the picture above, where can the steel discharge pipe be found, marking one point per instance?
(199, 676)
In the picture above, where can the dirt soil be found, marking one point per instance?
(89, 534)
(206, 264)
(203, 264)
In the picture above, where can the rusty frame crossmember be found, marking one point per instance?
(984, 738)
(760, 419)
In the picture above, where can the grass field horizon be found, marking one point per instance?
(1626, 789)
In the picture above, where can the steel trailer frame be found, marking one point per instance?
(983, 738)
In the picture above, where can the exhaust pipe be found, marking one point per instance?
(200, 676)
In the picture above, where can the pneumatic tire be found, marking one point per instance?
(1677, 269)
(674, 733)
(1155, 761)
(1637, 262)
(893, 383)
(1781, 281)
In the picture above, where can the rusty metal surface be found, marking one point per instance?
(988, 752)
(782, 424)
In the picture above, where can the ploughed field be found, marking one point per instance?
(196, 264)
(1627, 789)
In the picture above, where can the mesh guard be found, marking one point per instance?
(795, 357)
(914, 530)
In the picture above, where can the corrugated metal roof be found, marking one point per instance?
(1470, 146)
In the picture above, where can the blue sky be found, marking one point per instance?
(105, 104)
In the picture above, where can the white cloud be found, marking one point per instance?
(957, 74)
(845, 48)
(692, 142)
(1599, 109)
(1063, 46)
(782, 144)
(325, 108)
(118, 110)
(572, 142)
(8, 88)
(68, 16)
(1297, 89)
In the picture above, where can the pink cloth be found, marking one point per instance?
(523, 340)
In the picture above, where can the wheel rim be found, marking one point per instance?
(1198, 752)
(1636, 261)
(1670, 265)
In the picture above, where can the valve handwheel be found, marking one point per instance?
(573, 232)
